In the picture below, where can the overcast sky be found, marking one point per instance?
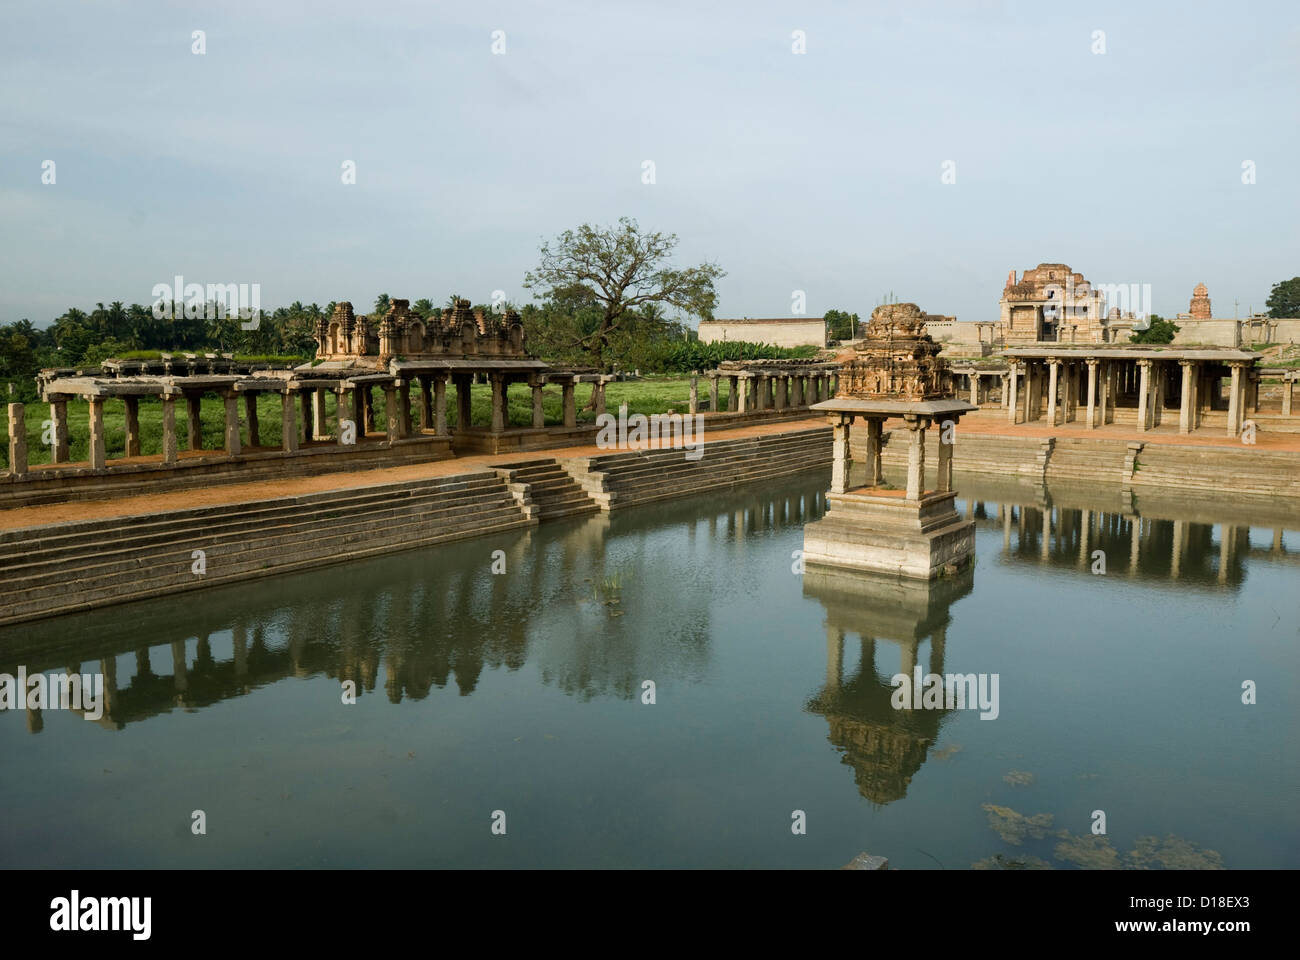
(821, 172)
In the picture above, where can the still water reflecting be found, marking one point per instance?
(1119, 691)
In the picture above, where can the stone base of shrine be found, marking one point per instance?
(882, 532)
(520, 439)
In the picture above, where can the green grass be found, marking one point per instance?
(649, 396)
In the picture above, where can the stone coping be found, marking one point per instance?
(1133, 352)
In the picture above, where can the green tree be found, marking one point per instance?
(622, 270)
(1284, 300)
(841, 325)
(1158, 330)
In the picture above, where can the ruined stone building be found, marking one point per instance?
(1052, 303)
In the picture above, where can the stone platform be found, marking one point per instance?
(877, 530)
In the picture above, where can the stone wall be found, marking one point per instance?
(781, 333)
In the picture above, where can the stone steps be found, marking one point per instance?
(79, 566)
(555, 493)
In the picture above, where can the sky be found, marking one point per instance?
(822, 171)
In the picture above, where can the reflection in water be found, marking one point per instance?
(884, 746)
(523, 689)
(422, 621)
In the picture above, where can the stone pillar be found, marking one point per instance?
(320, 426)
(169, 445)
(974, 379)
(1185, 406)
(194, 421)
(366, 409)
(713, 394)
(232, 424)
(840, 453)
(915, 457)
(250, 415)
(426, 403)
(132, 425)
(498, 383)
(1012, 376)
(760, 389)
(695, 395)
(945, 460)
(439, 404)
(539, 414)
(304, 399)
(464, 414)
(288, 423)
(98, 457)
(1053, 366)
(341, 412)
(1161, 390)
(874, 468)
(782, 393)
(1288, 388)
(59, 418)
(1144, 396)
(392, 418)
(1234, 401)
(569, 403)
(733, 403)
(404, 423)
(797, 391)
(745, 382)
(17, 440)
(1092, 394)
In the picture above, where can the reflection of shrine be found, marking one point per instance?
(884, 746)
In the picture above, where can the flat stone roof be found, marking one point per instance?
(894, 408)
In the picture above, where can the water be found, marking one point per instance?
(522, 693)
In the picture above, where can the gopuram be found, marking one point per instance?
(914, 532)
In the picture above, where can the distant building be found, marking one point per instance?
(1199, 325)
(1052, 303)
(793, 332)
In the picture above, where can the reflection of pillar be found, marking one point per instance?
(1277, 541)
(1006, 526)
(108, 667)
(1180, 543)
(1227, 550)
(1045, 544)
(938, 647)
(1085, 528)
(169, 451)
(240, 641)
(132, 426)
(180, 673)
(907, 658)
(98, 457)
(834, 656)
(1135, 544)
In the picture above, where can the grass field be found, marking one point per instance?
(647, 396)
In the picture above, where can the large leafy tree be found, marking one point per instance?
(1284, 300)
(1157, 330)
(622, 271)
(841, 325)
